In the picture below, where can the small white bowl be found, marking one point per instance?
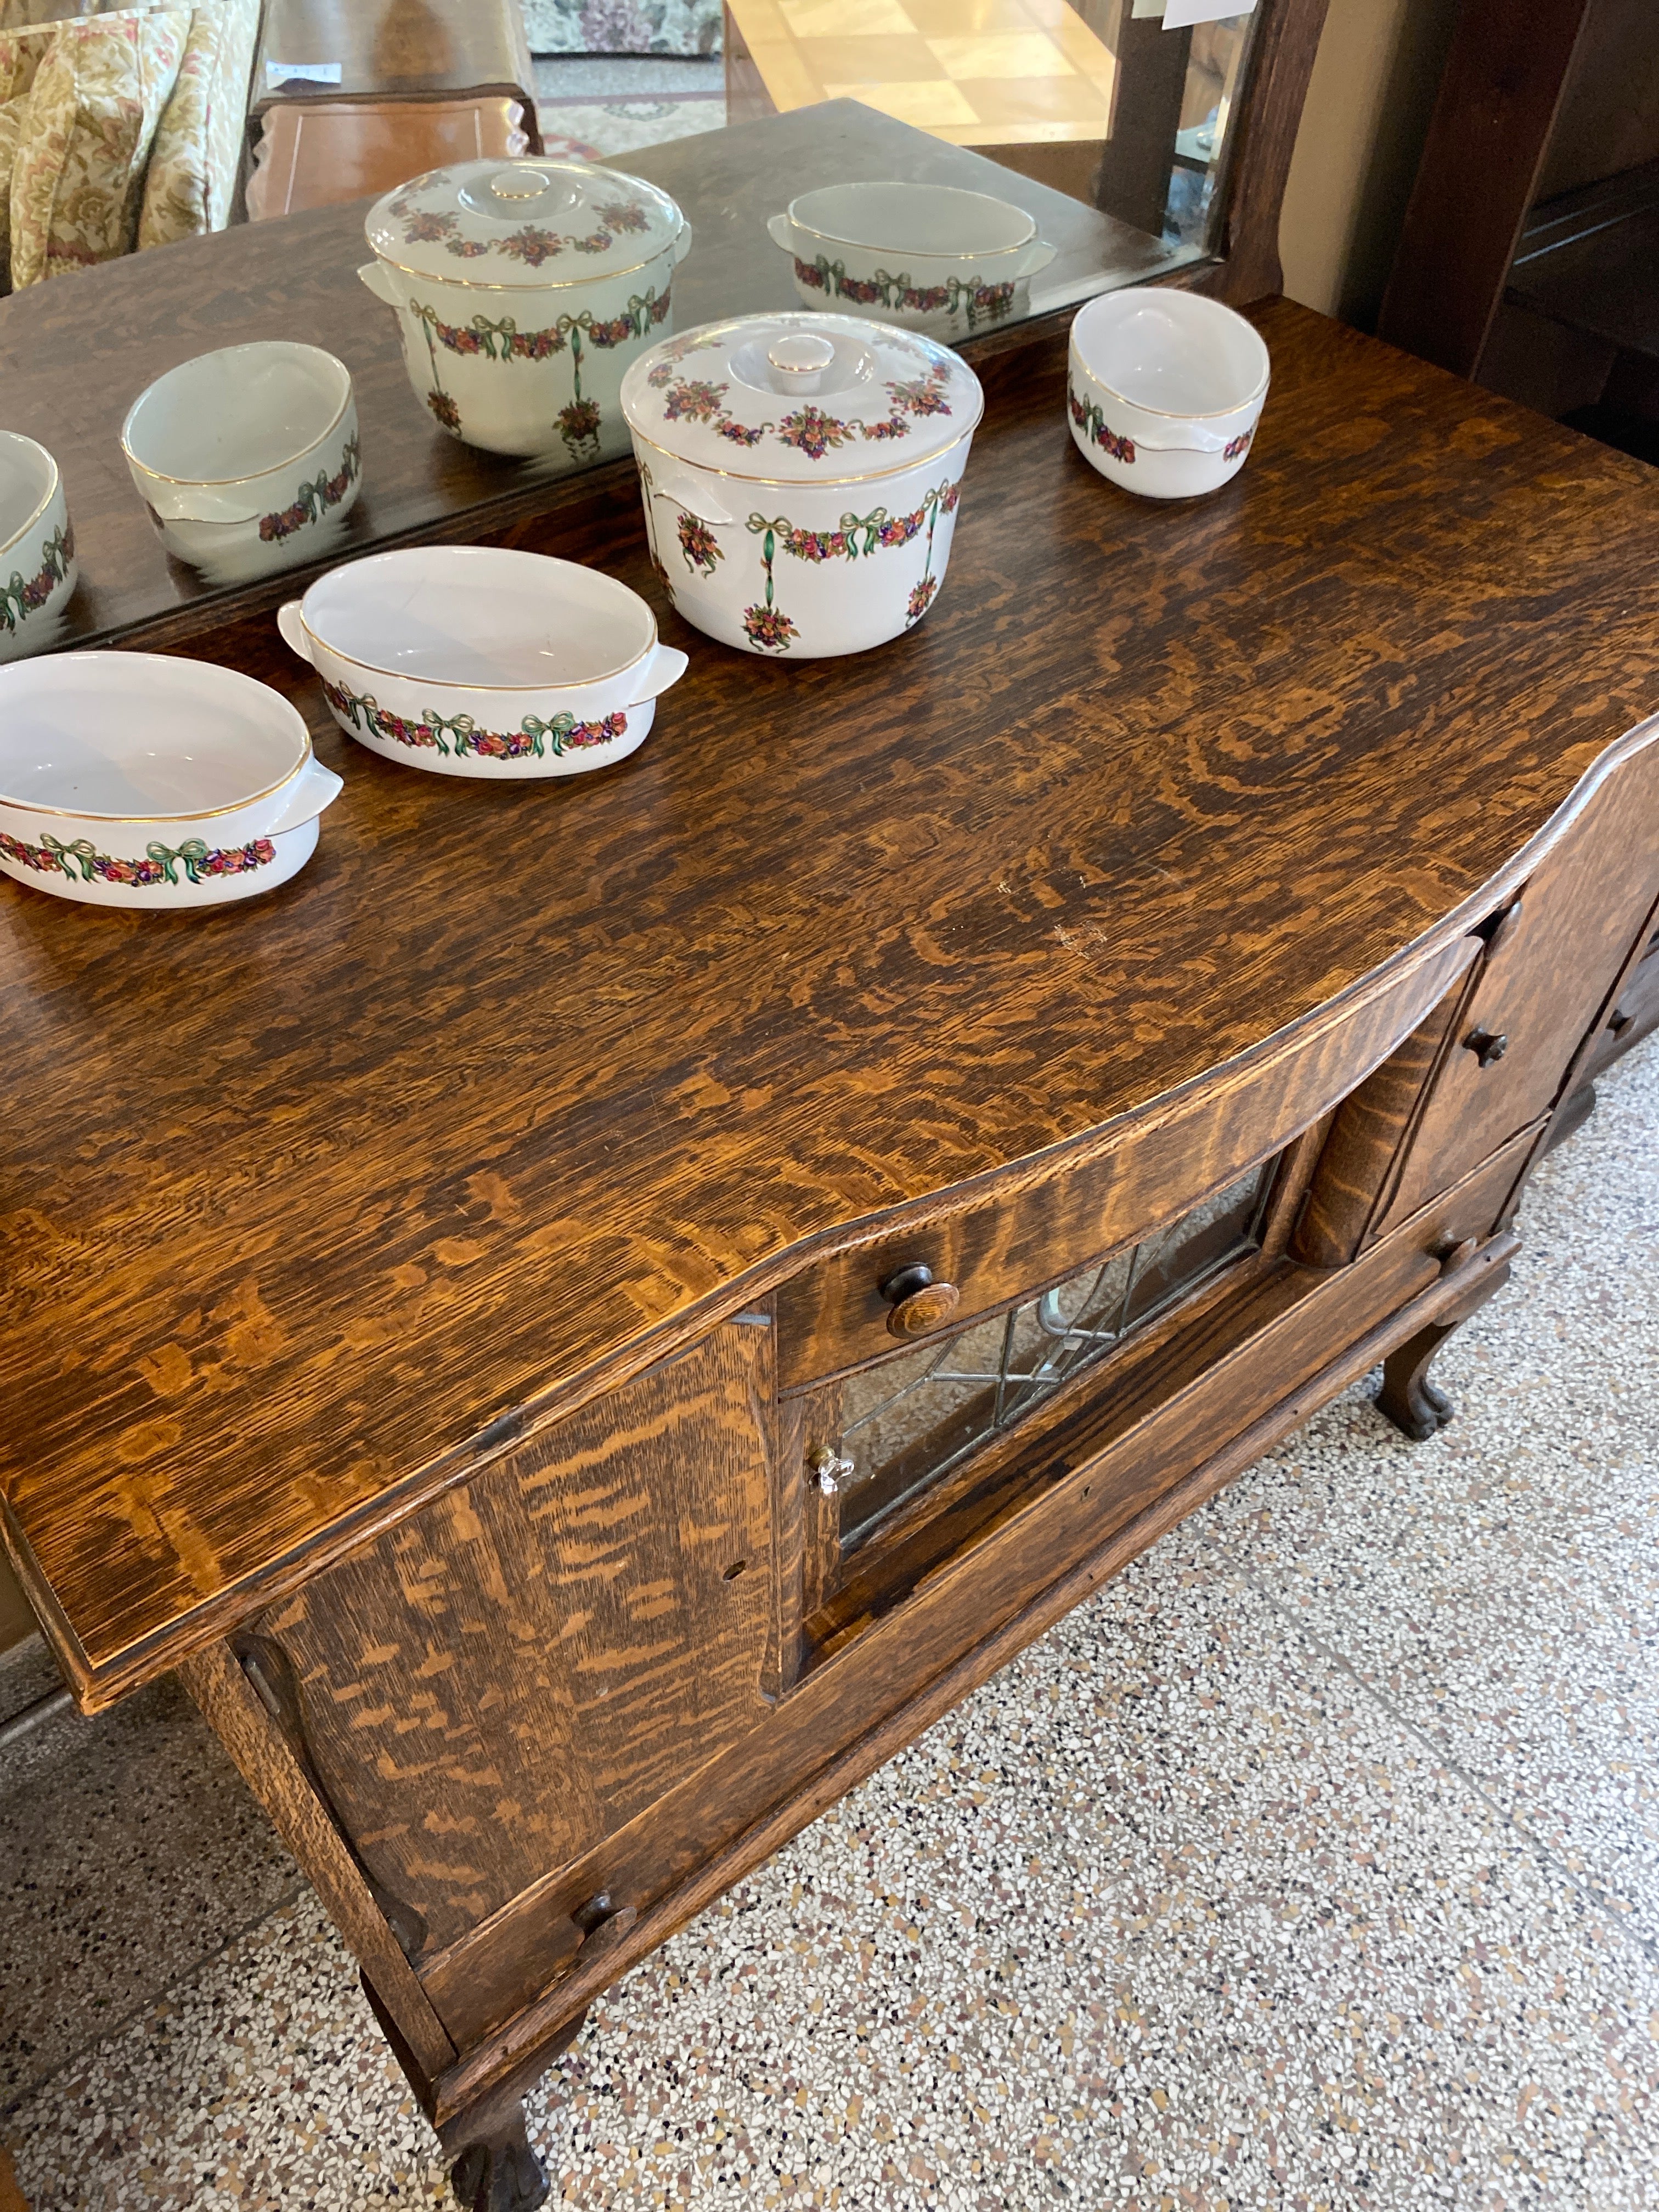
(248, 458)
(480, 661)
(142, 780)
(1164, 390)
(37, 545)
(930, 256)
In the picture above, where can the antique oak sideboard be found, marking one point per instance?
(593, 1316)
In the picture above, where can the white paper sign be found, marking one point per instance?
(1178, 14)
(311, 72)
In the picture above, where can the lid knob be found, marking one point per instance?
(797, 361)
(519, 184)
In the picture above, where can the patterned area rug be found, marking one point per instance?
(623, 26)
(590, 129)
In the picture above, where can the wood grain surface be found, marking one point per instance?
(313, 1204)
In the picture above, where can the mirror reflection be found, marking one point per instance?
(465, 219)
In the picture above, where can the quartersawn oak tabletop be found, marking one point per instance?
(301, 1196)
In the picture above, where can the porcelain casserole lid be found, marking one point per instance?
(801, 397)
(528, 224)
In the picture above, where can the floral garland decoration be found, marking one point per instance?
(579, 419)
(201, 863)
(24, 595)
(981, 303)
(459, 735)
(1090, 419)
(808, 428)
(313, 501)
(857, 536)
(531, 244)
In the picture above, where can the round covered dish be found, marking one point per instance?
(524, 289)
(801, 474)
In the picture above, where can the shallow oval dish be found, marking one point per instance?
(801, 475)
(931, 257)
(1164, 390)
(37, 546)
(477, 660)
(141, 780)
(248, 459)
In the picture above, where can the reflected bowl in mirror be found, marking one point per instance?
(523, 289)
(477, 660)
(37, 546)
(142, 780)
(1164, 390)
(247, 459)
(801, 475)
(930, 256)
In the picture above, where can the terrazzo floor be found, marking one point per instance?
(1313, 1864)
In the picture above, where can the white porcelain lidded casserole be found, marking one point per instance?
(801, 474)
(932, 257)
(143, 779)
(479, 660)
(524, 288)
(1164, 390)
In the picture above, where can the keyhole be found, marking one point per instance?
(734, 1571)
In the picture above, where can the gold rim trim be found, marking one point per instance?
(454, 683)
(562, 284)
(276, 467)
(193, 814)
(813, 483)
(19, 534)
(1170, 414)
(920, 253)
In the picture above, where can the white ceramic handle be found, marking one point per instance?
(317, 787)
(293, 630)
(377, 278)
(662, 672)
(1036, 258)
(1191, 438)
(783, 232)
(683, 243)
(698, 505)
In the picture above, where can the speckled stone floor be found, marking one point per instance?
(1314, 1865)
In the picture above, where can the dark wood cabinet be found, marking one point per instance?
(629, 1298)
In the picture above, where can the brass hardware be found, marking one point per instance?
(830, 1468)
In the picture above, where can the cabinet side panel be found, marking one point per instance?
(489, 1689)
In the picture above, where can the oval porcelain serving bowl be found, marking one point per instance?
(931, 257)
(1164, 390)
(247, 459)
(479, 661)
(523, 289)
(37, 545)
(139, 779)
(801, 475)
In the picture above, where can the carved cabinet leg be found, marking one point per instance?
(1417, 1407)
(494, 2169)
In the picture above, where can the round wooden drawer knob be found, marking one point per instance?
(920, 1305)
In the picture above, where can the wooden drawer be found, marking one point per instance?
(1547, 982)
(833, 1317)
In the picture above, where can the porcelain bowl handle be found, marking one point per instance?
(317, 787)
(693, 505)
(665, 669)
(377, 278)
(294, 631)
(1186, 438)
(682, 242)
(1036, 258)
(783, 232)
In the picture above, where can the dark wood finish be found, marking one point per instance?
(317, 154)
(393, 1244)
(75, 357)
(834, 1315)
(1478, 175)
(1251, 190)
(609, 1587)
(397, 49)
(1587, 260)
(1418, 1408)
(1133, 180)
